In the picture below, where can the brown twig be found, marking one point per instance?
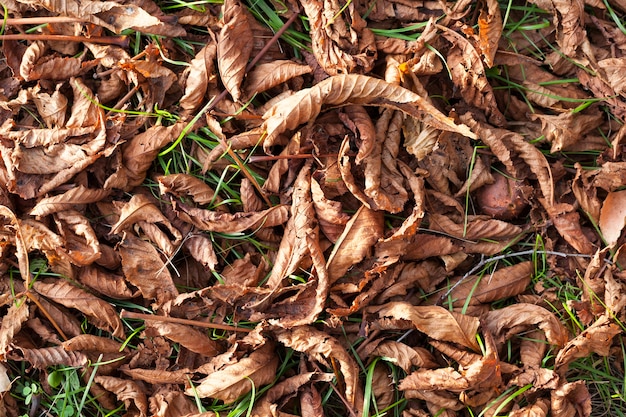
(130, 315)
(41, 20)
(121, 41)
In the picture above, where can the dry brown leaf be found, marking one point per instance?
(568, 18)
(468, 74)
(12, 322)
(171, 403)
(332, 220)
(141, 209)
(384, 186)
(214, 221)
(183, 185)
(539, 409)
(94, 343)
(301, 227)
(138, 155)
(570, 399)
(234, 46)
(504, 283)
(357, 240)
(270, 74)
(341, 42)
(144, 268)
(111, 15)
(613, 217)
(419, 138)
(106, 283)
(476, 228)
(45, 357)
(197, 77)
(236, 378)
(22, 247)
(126, 391)
(186, 336)
(324, 348)
(489, 31)
(80, 240)
(157, 376)
(516, 318)
(200, 247)
(306, 104)
(434, 321)
(405, 356)
(290, 387)
(597, 338)
(98, 312)
(566, 129)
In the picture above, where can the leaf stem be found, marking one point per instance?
(141, 316)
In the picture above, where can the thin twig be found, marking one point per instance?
(484, 262)
(131, 315)
(41, 20)
(122, 41)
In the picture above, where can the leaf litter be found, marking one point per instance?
(312, 208)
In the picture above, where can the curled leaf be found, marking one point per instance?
(306, 104)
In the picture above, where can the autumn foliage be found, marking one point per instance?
(373, 218)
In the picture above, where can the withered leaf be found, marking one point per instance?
(89, 342)
(190, 338)
(363, 229)
(44, 357)
(270, 74)
(341, 41)
(214, 221)
(138, 155)
(571, 399)
(613, 216)
(404, 356)
(325, 348)
(197, 78)
(234, 46)
(106, 283)
(468, 74)
(12, 322)
(331, 218)
(434, 321)
(235, 379)
(127, 391)
(144, 268)
(489, 31)
(81, 242)
(141, 209)
(597, 338)
(111, 15)
(565, 129)
(99, 312)
(506, 282)
(156, 376)
(182, 185)
(511, 320)
(306, 104)
(286, 388)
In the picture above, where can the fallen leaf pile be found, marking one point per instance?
(346, 224)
